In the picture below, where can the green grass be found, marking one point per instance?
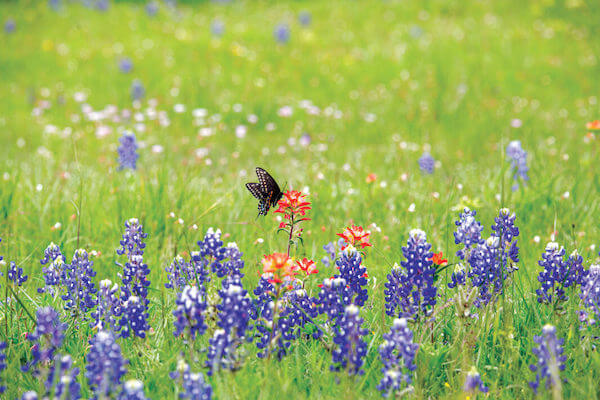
(454, 89)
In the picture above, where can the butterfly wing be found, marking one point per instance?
(270, 188)
(255, 189)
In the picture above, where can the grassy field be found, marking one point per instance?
(374, 85)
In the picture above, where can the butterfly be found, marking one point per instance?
(267, 191)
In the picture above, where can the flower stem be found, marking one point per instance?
(291, 233)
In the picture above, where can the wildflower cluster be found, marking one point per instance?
(105, 365)
(77, 279)
(194, 385)
(135, 271)
(590, 297)
(351, 347)
(397, 354)
(473, 382)
(518, 162)
(215, 257)
(127, 150)
(62, 379)
(468, 233)
(53, 272)
(558, 274)
(355, 236)
(189, 312)
(550, 359)
(108, 306)
(46, 339)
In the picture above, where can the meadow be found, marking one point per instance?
(389, 115)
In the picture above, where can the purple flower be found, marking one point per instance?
(304, 18)
(333, 298)
(62, 379)
(53, 272)
(410, 293)
(474, 382)
(102, 5)
(125, 65)
(47, 337)
(54, 4)
(132, 390)
(137, 90)
(590, 296)
(282, 33)
(9, 26)
(109, 307)
(518, 162)
(397, 354)
(151, 8)
(77, 280)
(233, 319)
(134, 318)
(468, 232)
(217, 27)
(105, 365)
(194, 385)
(133, 239)
(353, 272)
(351, 347)
(190, 307)
(29, 395)
(550, 359)
(127, 151)
(458, 277)
(330, 250)
(427, 163)
(15, 275)
(2, 363)
(554, 275)
(220, 260)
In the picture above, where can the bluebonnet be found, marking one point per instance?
(194, 385)
(550, 358)
(151, 8)
(2, 363)
(134, 318)
(354, 273)
(53, 272)
(397, 354)
(102, 5)
(473, 382)
(504, 228)
(29, 395)
(62, 379)
(105, 365)
(426, 163)
(577, 273)
(135, 271)
(220, 260)
(127, 151)
(518, 162)
(47, 337)
(125, 65)
(217, 27)
(54, 4)
(77, 280)
(330, 257)
(333, 298)
(109, 306)
(132, 390)
(132, 242)
(190, 307)
(137, 90)
(590, 296)
(304, 18)
(15, 274)
(282, 33)
(558, 274)
(179, 274)
(410, 293)
(233, 321)
(351, 347)
(458, 277)
(468, 232)
(9, 26)
(300, 310)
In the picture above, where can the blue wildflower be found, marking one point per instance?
(397, 354)
(518, 162)
(47, 337)
(351, 346)
(102, 5)
(62, 379)
(194, 385)
(473, 382)
(179, 274)
(304, 18)
(127, 150)
(333, 298)
(223, 261)
(190, 307)
(108, 307)
(29, 395)
(468, 232)
(282, 33)
(132, 390)
(54, 4)
(125, 65)
(426, 163)
(217, 27)
(553, 276)
(411, 293)
(137, 90)
(458, 277)
(15, 275)
(330, 257)
(151, 8)
(590, 296)
(134, 319)
(105, 365)
(2, 363)
(54, 271)
(9, 26)
(354, 273)
(550, 359)
(77, 280)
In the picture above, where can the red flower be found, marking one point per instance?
(438, 259)
(356, 236)
(372, 177)
(280, 265)
(308, 266)
(293, 203)
(594, 125)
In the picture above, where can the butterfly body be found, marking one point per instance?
(267, 191)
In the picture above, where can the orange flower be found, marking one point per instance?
(594, 125)
(308, 266)
(372, 177)
(293, 203)
(356, 236)
(280, 265)
(438, 259)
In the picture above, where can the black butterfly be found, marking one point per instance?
(267, 191)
